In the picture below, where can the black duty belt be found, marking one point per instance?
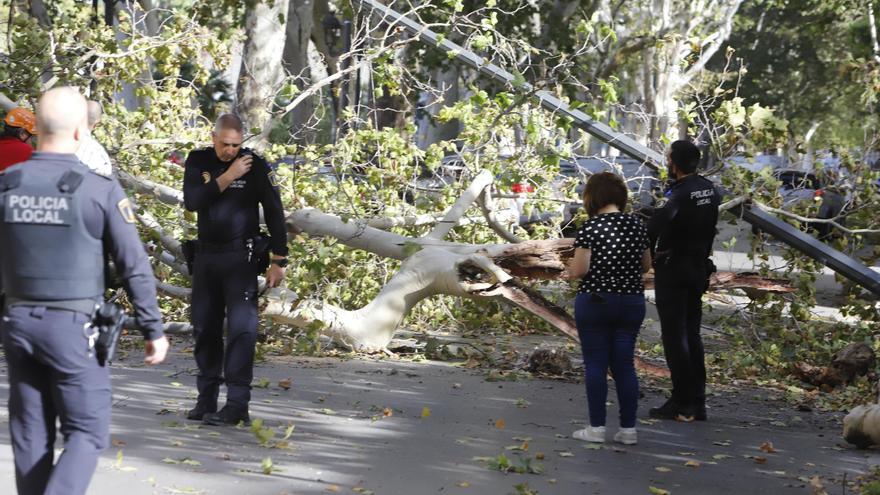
(84, 306)
(240, 244)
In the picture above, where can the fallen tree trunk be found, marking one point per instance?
(431, 266)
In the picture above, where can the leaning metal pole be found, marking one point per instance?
(807, 244)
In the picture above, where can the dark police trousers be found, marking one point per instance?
(224, 286)
(679, 287)
(52, 374)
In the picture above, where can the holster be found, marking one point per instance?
(188, 246)
(108, 321)
(259, 252)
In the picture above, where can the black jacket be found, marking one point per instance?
(685, 225)
(234, 213)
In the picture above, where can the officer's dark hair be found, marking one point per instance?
(603, 189)
(229, 121)
(685, 155)
(12, 131)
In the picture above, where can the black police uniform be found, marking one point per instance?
(682, 232)
(57, 220)
(224, 278)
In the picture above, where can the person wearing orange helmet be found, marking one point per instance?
(20, 126)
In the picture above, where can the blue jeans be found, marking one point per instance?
(608, 325)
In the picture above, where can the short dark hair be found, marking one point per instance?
(12, 131)
(685, 155)
(229, 121)
(603, 189)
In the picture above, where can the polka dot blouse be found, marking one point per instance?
(617, 242)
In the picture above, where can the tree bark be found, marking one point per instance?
(446, 79)
(261, 71)
(300, 25)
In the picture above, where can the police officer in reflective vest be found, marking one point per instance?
(57, 220)
(682, 232)
(226, 184)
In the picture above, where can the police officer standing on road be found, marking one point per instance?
(57, 218)
(682, 232)
(226, 184)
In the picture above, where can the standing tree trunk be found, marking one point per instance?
(38, 11)
(446, 79)
(300, 23)
(261, 71)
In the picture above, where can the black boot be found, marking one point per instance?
(672, 410)
(700, 411)
(202, 408)
(227, 416)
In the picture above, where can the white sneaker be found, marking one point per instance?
(626, 436)
(591, 434)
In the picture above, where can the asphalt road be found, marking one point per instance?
(391, 427)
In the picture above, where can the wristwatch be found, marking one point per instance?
(281, 262)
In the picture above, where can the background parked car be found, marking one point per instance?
(642, 181)
(799, 188)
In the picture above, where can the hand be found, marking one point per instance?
(240, 166)
(274, 275)
(155, 351)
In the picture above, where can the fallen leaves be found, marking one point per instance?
(500, 423)
(285, 383)
(662, 469)
(265, 434)
(267, 466)
(692, 463)
(426, 412)
(658, 491)
(521, 465)
(185, 461)
(817, 487)
(767, 447)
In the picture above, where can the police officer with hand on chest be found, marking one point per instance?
(682, 232)
(57, 220)
(226, 184)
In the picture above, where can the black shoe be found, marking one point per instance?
(227, 417)
(700, 412)
(198, 413)
(672, 410)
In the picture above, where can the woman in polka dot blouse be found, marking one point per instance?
(611, 254)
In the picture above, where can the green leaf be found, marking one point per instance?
(519, 80)
(267, 465)
(287, 432)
